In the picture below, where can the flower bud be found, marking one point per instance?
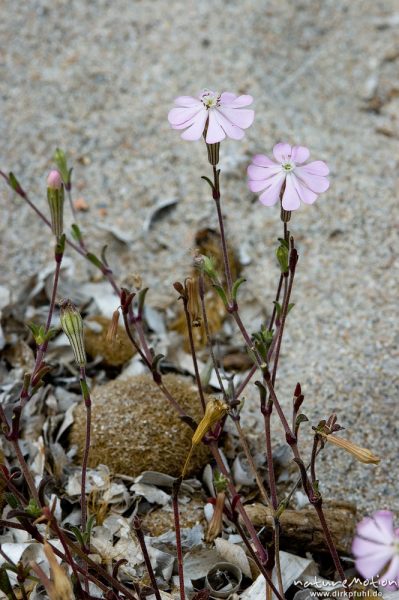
(72, 325)
(282, 257)
(62, 164)
(54, 180)
(55, 197)
(207, 265)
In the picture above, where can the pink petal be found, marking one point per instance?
(271, 195)
(392, 573)
(197, 127)
(291, 200)
(362, 547)
(242, 117)
(227, 98)
(317, 167)
(314, 182)
(384, 520)
(281, 152)
(187, 101)
(263, 161)
(299, 154)
(232, 131)
(378, 528)
(255, 172)
(371, 565)
(215, 133)
(258, 186)
(306, 195)
(177, 117)
(234, 101)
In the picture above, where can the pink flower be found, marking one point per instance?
(302, 183)
(220, 115)
(376, 549)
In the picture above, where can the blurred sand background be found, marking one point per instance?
(97, 78)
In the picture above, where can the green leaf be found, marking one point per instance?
(281, 508)
(221, 293)
(103, 254)
(60, 160)
(236, 285)
(60, 245)
(208, 181)
(78, 534)
(89, 526)
(156, 362)
(278, 308)
(301, 418)
(141, 300)
(52, 332)
(14, 183)
(76, 233)
(290, 307)
(33, 328)
(219, 481)
(94, 260)
(262, 391)
(5, 585)
(33, 509)
(11, 500)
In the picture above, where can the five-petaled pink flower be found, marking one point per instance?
(376, 549)
(220, 115)
(302, 183)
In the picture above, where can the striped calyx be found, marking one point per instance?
(55, 198)
(72, 325)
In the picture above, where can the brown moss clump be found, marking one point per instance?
(115, 353)
(134, 428)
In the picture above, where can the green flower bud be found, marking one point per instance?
(72, 325)
(207, 265)
(282, 257)
(55, 197)
(61, 162)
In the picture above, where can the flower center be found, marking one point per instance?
(210, 99)
(288, 166)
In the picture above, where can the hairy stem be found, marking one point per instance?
(216, 197)
(208, 334)
(193, 354)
